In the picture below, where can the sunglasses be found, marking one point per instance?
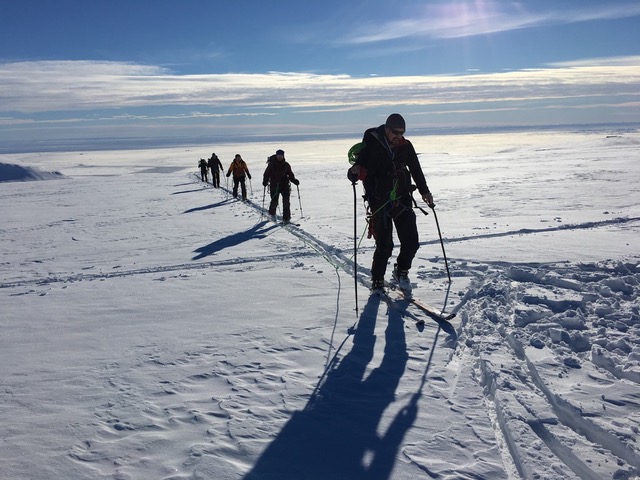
(396, 132)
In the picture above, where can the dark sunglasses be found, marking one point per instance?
(397, 132)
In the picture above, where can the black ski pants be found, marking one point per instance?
(286, 201)
(239, 181)
(215, 177)
(383, 220)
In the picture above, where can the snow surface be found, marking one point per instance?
(153, 327)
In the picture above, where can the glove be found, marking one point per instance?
(296, 182)
(428, 198)
(352, 176)
(265, 183)
(228, 174)
(249, 175)
(359, 171)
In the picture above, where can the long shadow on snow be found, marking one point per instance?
(195, 190)
(259, 230)
(335, 436)
(206, 207)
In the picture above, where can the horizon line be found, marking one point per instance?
(146, 143)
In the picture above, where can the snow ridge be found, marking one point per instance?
(10, 172)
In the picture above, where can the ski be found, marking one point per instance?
(282, 223)
(392, 302)
(430, 310)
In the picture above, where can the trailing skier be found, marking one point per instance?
(203, 170)
(386, 163)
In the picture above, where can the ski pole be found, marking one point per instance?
(355, 244)
(446, 263)
(299, 201)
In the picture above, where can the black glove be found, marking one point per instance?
(353, 177)
(228, 174)
(296, 182)
(265, 183)
(249, 175)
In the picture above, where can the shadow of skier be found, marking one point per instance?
(259, 230)
(336, 435)
(207, 207)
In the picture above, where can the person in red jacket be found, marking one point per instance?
(239, 170)
(277, 175)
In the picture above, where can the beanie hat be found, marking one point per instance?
(279, 152)
(395, 120)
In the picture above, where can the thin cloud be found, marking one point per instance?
(9, 121)
(186, 116)
(599, 61)
(465, 19)
(71, 67)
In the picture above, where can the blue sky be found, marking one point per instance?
(74, 69)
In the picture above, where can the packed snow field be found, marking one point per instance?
(155, 327)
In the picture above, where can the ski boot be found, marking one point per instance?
(377, 287)
(402, 279)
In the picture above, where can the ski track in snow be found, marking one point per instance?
(511, 316)
(513, 375)
(77, 277)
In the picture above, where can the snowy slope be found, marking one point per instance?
(155, 327)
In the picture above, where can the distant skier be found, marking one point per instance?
(239, 170)
(203, 170)
(386, 165)
(215, 165)
(277, 175)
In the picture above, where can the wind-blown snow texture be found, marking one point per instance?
(155, 327)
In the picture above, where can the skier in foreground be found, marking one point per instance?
(386, 165)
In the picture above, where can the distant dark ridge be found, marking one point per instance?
(17, 173)
(117, 143)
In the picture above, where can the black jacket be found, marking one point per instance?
(278, 174)
(388, 171)
(215, 163)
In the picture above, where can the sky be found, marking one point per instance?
(194, 69)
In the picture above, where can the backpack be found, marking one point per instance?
(354, 152)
